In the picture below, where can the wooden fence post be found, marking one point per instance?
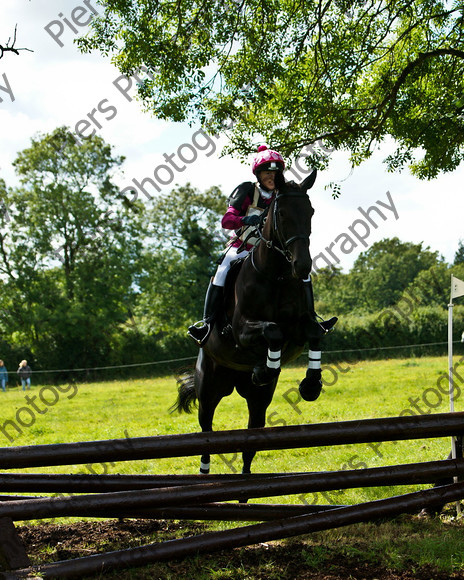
(12, 552)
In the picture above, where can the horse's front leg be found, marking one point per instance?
(311, 386)
(253, 331)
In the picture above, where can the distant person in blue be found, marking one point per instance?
(25, 373)
(3, 375)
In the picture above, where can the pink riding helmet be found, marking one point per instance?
(267, 160)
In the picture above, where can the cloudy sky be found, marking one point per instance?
(57, 85)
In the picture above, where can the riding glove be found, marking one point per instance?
(250, 220)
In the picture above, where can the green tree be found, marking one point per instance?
(69, 252)
(295, 73)
(184, 241)
(432, 287)
(381, 274)
(333, 292)
(459, 255)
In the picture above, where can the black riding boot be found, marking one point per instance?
(326, 325)
(201, 330)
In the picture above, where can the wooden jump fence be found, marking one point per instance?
(205, 497)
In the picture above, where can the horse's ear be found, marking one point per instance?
(309, 181)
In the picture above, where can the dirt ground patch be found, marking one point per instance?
(293, 559)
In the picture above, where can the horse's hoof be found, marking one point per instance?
(310, 390)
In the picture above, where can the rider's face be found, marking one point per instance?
(267, 179)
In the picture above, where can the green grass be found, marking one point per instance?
(362, 390)
(140, 408)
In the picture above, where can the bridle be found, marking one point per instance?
(283, 245)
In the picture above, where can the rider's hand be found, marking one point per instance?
(250, 220)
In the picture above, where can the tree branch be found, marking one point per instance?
(383, 109)
(11, 47)
(390, 99)
(4, 254)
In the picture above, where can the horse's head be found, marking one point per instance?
(290, 226)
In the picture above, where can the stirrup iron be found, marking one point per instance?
(200, 332)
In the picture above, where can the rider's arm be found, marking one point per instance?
(232, 219)
(239, 201)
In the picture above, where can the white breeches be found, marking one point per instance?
(221, 273)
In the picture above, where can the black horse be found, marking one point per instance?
(266, 321)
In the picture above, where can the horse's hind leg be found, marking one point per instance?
(206, 410)
(212, 383)
(258, 402)
(205, 418)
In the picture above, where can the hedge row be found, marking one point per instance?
(394, 332)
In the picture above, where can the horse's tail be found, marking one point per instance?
(186, 394)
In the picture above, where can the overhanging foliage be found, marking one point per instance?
(295, 73)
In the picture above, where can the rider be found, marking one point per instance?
(246, 204)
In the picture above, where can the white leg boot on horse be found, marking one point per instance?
(311, 386)
(263, 374)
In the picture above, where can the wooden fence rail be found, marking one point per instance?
(270, 438)
(198, 496)
(244, 536)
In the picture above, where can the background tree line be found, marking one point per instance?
(396, 294)
(89, 279)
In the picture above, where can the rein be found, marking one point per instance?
(260, 272)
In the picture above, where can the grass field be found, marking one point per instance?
(368, 389)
